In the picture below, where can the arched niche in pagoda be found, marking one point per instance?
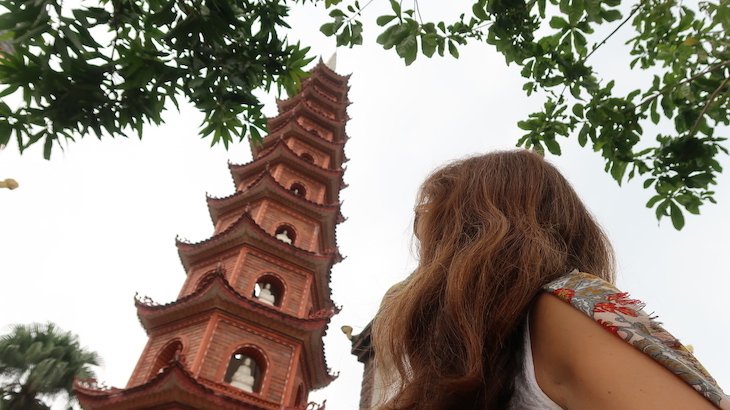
(171, 351)
(246, 369)
(286, 234)
(298, 189)
(307, 157)
(269, 289)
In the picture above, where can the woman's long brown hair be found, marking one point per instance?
(492, 230)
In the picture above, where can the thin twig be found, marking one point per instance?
(359, 11)
(633, 12)
(418, 11)
(707, 106)
(686, 80)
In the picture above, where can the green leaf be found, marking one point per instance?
(383, 20)
(676, 215)
(408, 49)
(328, 29)
(583, 135)
(552, 146)
(661, 210)
(396, 7)
(611, 15)
(618, 170)
(558, 22)
(576, 11)
(429, 43)
(653, 113)
(5, 131)
(479, 11)
(578, 110)
(654, 200)
(344, 37)
(452, 49)
(47, 146)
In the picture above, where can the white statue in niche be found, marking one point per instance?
(243, 377)
(266, 296)
(284, 236)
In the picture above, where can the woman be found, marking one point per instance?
(483, 321)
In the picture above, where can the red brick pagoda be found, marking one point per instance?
(246, 330)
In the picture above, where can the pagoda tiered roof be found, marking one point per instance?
(173, 384)
(314, 93)
(294, 129)
(315, 118)
(246, 231)
(281, 153)
(336, 126)
(322, 71)
(217, 294)
(266, 187)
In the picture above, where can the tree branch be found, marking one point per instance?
(707, 106)
(626, 20)
(686, 80)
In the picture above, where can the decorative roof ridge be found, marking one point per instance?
(312, 91)
(321, 65)
(266, 175)
(337, 172)
(340, 144)
(282, 117)
(90, 388)
(245, 218)
(310, 81)
(316, 108)
(209, 280)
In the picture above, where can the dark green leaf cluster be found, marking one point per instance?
(114, 67)
(553, 40)
(38, 361)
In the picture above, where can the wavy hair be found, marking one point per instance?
(491, 230)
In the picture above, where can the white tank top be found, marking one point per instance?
(527, 393)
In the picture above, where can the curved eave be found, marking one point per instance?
(218, 294)
(246, 230)
(292, 129)
(325, 75)
(330, 74)
(173, 386)
(266, 187)
(265, 182)
(281, 153)
(319, 373)
(336, 126)
(310, 92)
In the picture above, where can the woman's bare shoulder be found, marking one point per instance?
(580, 364)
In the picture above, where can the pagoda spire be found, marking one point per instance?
(332, 62)
(246, 329)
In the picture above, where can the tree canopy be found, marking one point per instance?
(110, 68)
(40, 361)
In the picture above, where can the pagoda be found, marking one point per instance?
(246, 329)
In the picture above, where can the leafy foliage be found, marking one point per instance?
(552, 41)
(109, 68)
(40, 361)
(113, 67)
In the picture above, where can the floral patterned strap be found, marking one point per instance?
(625, 318)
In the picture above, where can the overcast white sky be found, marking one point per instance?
(97, 223)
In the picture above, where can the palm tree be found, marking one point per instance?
(40, 361)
